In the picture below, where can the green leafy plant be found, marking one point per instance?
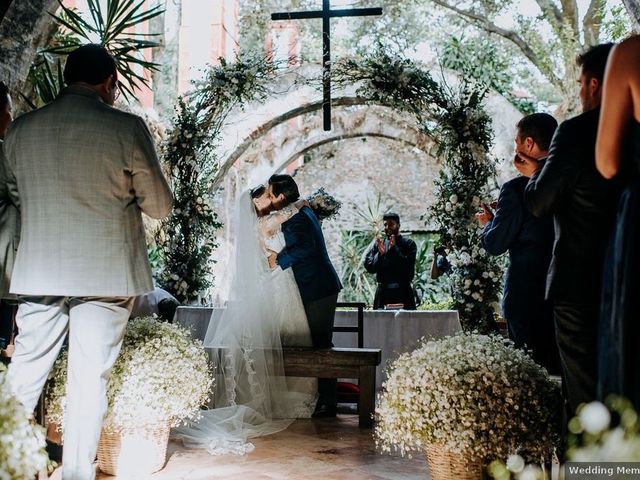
(113, 26)
(187, 237)
(483, 61)
(359, 285)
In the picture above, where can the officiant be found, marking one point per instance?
(393, 260)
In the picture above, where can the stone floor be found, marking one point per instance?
(327, 449)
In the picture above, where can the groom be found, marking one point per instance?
(306, 253)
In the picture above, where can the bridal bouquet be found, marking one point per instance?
(324, 205)
(22, 443)
(472, 394)
(161, 375)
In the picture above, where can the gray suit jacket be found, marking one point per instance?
(81, 173)
(9, 230)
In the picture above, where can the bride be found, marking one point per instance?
(264, 311)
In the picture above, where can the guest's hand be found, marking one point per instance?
(272, 258)
(526, 164)
(392, 241)
(485, 216)
(380, 245)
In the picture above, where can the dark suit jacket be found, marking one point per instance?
(529, 240)
(306, 253)
(397, 265)
(583, 205)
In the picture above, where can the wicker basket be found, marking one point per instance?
(444, 465)
(139, 451)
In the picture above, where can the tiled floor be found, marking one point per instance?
(327, 449)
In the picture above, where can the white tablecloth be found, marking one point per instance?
(394, 332)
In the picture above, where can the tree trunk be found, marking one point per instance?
(633, 8)
(4, 6)
(24, 28)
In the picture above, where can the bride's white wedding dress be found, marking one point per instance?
(251, 395)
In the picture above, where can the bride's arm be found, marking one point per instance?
(270, 224)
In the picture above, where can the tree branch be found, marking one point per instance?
(552, 12)
(487, 25)
(633, 9)
(570, 15)
(592, 22)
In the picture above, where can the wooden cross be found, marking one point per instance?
(326, 14)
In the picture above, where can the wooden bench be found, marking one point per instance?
(357, 363)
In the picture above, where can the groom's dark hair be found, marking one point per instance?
(285, 184)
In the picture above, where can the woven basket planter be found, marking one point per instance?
(444, 465)
(139, 451)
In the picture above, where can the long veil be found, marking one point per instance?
(245, 347)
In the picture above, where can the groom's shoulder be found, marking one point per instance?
(301, 217)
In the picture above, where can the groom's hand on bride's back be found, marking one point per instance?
(272, 258)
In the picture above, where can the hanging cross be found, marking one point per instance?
(326, 14)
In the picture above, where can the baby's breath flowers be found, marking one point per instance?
(162, 375)
(22, 442)
(474, 394)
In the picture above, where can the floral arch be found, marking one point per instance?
(197, 153)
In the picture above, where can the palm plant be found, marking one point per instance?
(359, 285)
(114, 27)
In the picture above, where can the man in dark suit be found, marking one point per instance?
(583, 205)
(306, 253)
(529, 241)
(393, 260)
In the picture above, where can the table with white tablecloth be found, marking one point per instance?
(395, 331)
(392, 331)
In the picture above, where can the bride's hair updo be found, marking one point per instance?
(258, 191)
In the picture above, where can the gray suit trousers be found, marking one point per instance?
(96, 328)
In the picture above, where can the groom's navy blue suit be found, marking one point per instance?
(306, 253)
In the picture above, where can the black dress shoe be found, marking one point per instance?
(324, 411)
(54, 451)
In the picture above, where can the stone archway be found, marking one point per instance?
(299, 135)
(291, 98)
(356, 127)
(246, 138)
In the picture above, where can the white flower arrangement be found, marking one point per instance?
(593, 439)
(474, 394)
(22, 442)
(599, 441)
(161, 375)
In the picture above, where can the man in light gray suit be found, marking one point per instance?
(81, 173)
(9, 233)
